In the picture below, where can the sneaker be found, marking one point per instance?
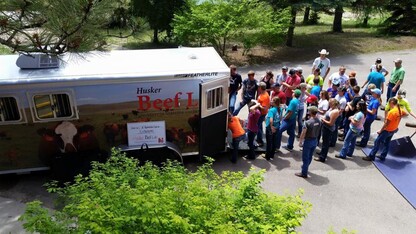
(318, 152)
(381, 158)
(287, 148)
(319, 159)
(339, 156)
(341, 138)
(341, 134)
(358, 143)
(249, 158)
(368, 159)
(301, 175)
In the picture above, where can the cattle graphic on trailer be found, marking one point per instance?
(88, 105)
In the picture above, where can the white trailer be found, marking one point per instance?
(87, 105)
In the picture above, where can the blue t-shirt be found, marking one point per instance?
(273, 113)
(374, 104)
(293, 106)
(316, 90)
(376, 78)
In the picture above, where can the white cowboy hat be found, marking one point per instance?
(323, 51)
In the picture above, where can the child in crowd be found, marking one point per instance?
(252, 126)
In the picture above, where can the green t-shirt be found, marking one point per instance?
(396, 75)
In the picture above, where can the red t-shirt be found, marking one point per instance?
(281, 95)
(292, 81)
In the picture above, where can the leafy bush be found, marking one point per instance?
(121, 197)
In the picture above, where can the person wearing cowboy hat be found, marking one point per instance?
(323, 63)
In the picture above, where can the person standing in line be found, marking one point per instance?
(316, 74)
(377, 78)
(282, 76)
(402, 102)
(350, 110)
(250, 87)
(268, 79)
(264, 100)
(278, 93)
(291, 83)
(371, 116)
(323, 63)
(385, 134)
(273, 119)
(299, 72)
(316, 88)
(328, 127)
(396, 79)
(383, 69)
(308, 140)
(301, 107)
(355, 129)
(289, 122)
(338, 77)
(342, 105)
(252, 127)
(235, 125)
(235, 85)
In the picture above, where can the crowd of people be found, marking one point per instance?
(301, 107)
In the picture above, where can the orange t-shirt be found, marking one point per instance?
(235, 127)
(394, 117)
(264, 100)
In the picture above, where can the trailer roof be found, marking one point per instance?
(179, 62)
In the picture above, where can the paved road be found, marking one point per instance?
(350, 194)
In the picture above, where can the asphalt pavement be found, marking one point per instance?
(350, 194)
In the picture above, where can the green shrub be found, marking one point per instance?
(121, 197)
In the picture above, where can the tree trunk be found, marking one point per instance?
(291, 30)
(337, 25)
(365, 20)
(156, 36)
(306, 15)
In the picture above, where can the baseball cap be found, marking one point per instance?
(342, 89)
(299, 69)
(297, 93)
(250, 73)
(402, 92)
(376, 91)
(275, 85)
(336, 82)
(284, 68)
(312, 99)
(398, 60)
(378, 60)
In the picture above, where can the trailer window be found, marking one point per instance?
(214, 98)
(9, 110)
(52, 106)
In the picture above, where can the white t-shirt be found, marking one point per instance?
(323, 105)
(338, 78)
(322, 64)
(342, 101)
(374, 69)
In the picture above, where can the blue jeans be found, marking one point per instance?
(232, 97)
(334, 134)
(309, 146)
(300, 118)
(382, 141)
(326, 139)
(251, 135)
(346, 124)
(236, 143)
(260, 126)
(349, 144)
(289, 126)
(270, 142)
(366, 132)
(390, 92)
(240, 106)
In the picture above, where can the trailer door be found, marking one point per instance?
(213, 107)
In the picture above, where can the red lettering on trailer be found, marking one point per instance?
(145, 103)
